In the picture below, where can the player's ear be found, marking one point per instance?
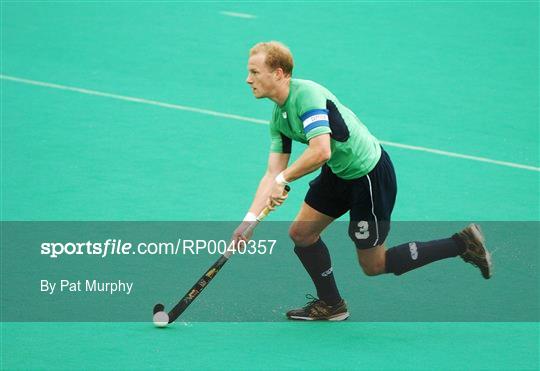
(279, 73)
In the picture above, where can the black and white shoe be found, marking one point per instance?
(317, 310)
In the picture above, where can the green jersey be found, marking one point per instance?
(311, 110)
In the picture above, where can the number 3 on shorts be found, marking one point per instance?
(363, 230)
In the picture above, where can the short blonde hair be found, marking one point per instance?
(278, 55)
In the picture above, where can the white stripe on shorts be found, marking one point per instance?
(373, 211)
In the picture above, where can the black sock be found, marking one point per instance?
(316, 260)
(403, 258)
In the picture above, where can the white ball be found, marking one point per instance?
(161, 319)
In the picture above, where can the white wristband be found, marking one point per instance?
(250, 217)
(281, 180)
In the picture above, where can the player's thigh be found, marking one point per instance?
(308, 224)
(327, 195)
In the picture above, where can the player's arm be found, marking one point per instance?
(277, 162)
(315, 155)
(316, 126)
(280, 152)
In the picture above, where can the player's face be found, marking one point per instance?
(261, 78)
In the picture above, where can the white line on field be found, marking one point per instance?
(250, 119)
(459, 155)
(239, 15)
(132, 99)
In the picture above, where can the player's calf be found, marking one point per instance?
(469, 244)
(411, 255)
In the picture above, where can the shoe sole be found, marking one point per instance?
(477, 232)
(337, 317)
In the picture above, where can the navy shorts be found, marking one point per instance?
(369, 199)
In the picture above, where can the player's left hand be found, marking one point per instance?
(277, 196)
(238, 235)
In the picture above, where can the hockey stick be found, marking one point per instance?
(161, 318)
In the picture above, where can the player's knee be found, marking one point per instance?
(302, 236)
(372, 269)
(373, 266)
